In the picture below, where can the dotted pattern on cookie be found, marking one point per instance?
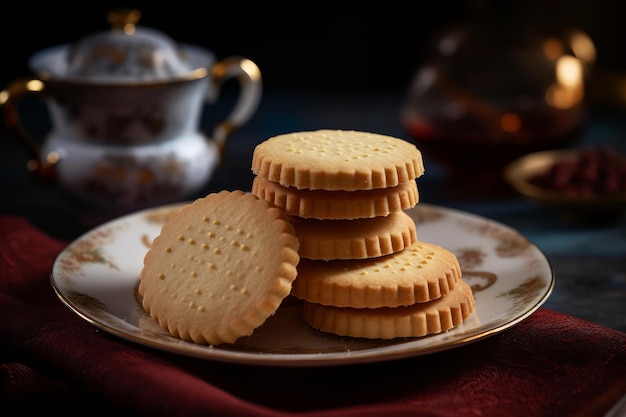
(337, 160)
(419, 273)
(219, 268)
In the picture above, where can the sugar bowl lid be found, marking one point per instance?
(127, 52)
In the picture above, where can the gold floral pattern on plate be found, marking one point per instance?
(88, 250)
(96, 276)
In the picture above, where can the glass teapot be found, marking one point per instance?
(492, 91)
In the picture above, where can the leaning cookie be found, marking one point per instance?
(332, 160)
(354, 239)
(339, 204)
(219, 268)
(416, 320)
(419, 273)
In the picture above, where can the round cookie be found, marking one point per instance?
(416, 320)
(337, 205)
(337, 160)
(419, 273)
(219, 268)
(354, 239)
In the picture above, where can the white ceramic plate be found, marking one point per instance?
(96, 276)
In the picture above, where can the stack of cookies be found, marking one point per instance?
(363, 272)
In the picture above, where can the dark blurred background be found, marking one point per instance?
(348, 46)
(332, 64)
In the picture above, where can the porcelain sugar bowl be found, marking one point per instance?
(125, 108)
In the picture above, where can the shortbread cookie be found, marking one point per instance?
(421, 272)
(219, 268)
(416, 320)
(322, 204)
(337, 160)
(354, 239)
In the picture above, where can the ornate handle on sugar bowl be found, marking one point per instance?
(248, 75)
(43, 166)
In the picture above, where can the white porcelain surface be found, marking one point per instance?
(121, 144)
(131, 179)
(96, 276)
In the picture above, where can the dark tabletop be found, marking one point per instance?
(589, 260)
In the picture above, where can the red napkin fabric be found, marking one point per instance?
(550, 364)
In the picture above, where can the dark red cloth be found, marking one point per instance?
(550, 364)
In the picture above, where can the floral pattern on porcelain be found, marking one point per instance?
(97, 276)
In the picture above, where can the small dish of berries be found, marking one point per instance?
(585, 185)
